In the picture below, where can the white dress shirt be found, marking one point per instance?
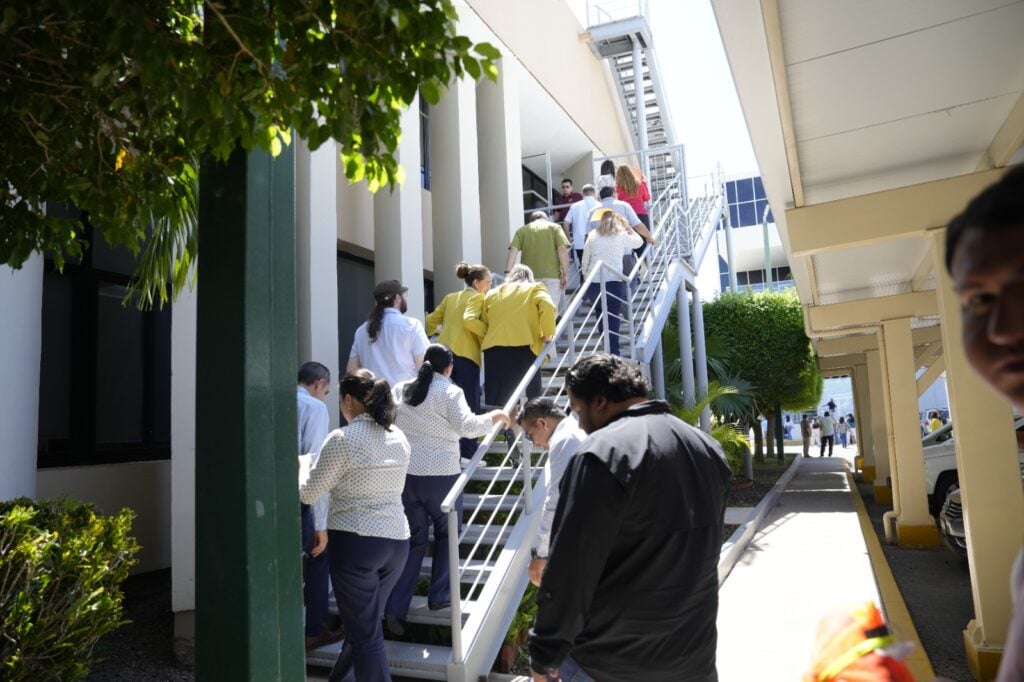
(314, 423)
(363, 467)
(609, 248)
(435, 426)
(563, 444)
(579, 220)
(392, 355)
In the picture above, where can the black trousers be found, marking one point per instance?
(829, 440)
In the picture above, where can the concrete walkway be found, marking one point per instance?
(808, 557)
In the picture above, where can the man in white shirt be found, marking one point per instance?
(389, 344)
(828, 433)
(314, 385)
(546, 424)
(578, 220)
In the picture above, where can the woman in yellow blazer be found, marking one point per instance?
(513, 322)
(464, 345)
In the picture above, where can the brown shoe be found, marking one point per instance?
(324, 638)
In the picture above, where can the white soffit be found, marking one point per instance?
(545, 127)
(883, 269)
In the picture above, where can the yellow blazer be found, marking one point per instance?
(454, 333)
(516, 314)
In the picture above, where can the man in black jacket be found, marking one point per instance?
(630, 591)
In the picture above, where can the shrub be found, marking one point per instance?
(61, 565)
(736, 447)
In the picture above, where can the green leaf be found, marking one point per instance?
(431, 91)
(472, 67)
(487, 51)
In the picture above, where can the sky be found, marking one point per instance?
(695, 72)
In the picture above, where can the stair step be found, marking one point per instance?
(406, 659)
(487, 502)
(500, 473)
(469, 574)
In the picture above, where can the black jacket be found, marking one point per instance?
(631, 585)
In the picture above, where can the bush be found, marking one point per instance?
(61, 565)
(736, 447)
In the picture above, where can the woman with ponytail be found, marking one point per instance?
(433, 414)
(363, 466)
(465, 345)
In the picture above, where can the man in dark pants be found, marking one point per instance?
(630, 591)
(828, 433)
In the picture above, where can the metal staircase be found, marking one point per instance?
(504, 484)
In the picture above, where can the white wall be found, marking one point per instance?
(183, 451)
(21, 305)
(145, 487)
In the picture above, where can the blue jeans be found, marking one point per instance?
(570, 671)
(422, 498)
(466, 375)
(842, 438)
(614, 294)
(364, 570)
(315, 574)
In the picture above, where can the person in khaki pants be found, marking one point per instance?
(805, 435)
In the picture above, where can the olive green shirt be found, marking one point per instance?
(539, 241)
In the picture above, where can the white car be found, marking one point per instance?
(940, 474)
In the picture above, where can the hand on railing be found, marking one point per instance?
(500, 417)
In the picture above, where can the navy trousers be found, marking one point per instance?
(364, 570)
(315, 574)
(614, 294)
(466, 375)
(422, 498)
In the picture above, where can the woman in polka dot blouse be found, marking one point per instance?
(363, 467)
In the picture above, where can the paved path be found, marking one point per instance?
(808, 557)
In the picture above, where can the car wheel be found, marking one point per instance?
(947, 481)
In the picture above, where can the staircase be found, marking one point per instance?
(504, 484)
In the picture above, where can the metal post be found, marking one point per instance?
(248, 578)
(767, 250)
(640, 105)
(551, 190)
(685, 345)
(525, 446)
(780, 440)
(632, 326)
(602, 315)
(455, 584)
(729, 258)
(701, 359)
(658, 371)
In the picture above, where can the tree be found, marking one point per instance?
(768, 348)
(110, 106)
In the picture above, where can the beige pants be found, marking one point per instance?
(554, 287)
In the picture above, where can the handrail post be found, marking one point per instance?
(455, 585)
(527, 463)
(632, 327)
(604, 313)
(572, 334)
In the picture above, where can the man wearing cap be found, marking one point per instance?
(389, 344)
(608, 200)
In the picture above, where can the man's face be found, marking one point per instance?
(988, 272)
(321, 388)
(540, 430)
(592, 414)
(566, 188)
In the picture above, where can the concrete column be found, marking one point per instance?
(685, 346)
(316, 242)
(183, 463)
(877, 389)
(915, 527)
(730, 261)
(455, 185)
(658, 371)
(862, 407)
(21, 337)
(398, 218)
(990, 487)
(701, 358)
(500, 160)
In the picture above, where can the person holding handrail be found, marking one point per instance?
(433, 415)
(612, 238)
(363, 467)
(513, 322)
(464, 344)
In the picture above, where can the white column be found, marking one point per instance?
(316, 247)
(877, 388)
(701, 358)
(989, 475)
(398, 218)
(21, 337)
(455, 185)
(862, 407)
(183, 460)
(500, 161)
(915, 526)
(685, 345)
(658, 371)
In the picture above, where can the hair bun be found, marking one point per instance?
(462, 269)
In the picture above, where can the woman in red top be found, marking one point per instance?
(636, 194)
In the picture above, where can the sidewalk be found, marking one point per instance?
(809, 556)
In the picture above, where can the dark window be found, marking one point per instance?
(758, 188)
(761, 206)
(105, 391)
(730, 191)
(535, 189)
(734, 215)
(755, 277)
(745, 190)
(748, 215)
(424, 144)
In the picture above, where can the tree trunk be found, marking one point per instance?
(770, 436)
(758, 440)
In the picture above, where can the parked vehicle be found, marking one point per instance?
(940, 475)
(951, 523)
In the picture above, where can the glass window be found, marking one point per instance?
(748, 215)
(424, 144)
(55, 363)
(730, 191)
(734, 215)
(755, 277)
(758, 188)
(761, 206)
(745, 190)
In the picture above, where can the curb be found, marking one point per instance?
(737, 543)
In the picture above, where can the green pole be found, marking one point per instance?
(780, 438)
(248, 580)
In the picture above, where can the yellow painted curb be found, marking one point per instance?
(918, 536)
(868, 473)
(896, 613)
(883, 495)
